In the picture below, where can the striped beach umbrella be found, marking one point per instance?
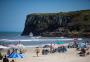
(15, 55)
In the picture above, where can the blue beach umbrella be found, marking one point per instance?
(15, 55)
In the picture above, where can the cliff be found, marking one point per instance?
(66, 22)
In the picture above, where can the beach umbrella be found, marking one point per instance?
(12, 46)
(46, 46)
(20, 46)
(60, 43)
(55, 46)
(3, 47)
(15, 55)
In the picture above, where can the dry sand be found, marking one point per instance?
(69, 56)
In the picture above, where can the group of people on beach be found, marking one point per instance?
(50, 49)
(4, 58)
(82, 47)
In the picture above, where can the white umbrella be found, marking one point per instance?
(3, 47)
(59, 45)
(12, 46)
(20, 46)
(55, 46)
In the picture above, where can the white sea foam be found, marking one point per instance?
(41, 39)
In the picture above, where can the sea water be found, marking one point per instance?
(15, 37)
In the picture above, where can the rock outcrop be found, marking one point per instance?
(39, 23)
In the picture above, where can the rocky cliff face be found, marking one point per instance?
(49, 22)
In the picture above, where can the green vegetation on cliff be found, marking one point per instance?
(63, 22)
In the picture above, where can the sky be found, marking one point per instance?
(13, 12)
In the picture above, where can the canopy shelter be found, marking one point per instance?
(15, 55)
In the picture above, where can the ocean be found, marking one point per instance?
(15, 37)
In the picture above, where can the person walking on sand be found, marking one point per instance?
(5, 59)
(37, 51)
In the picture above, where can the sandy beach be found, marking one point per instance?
(69, 56)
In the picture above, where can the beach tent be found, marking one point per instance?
(15, 55)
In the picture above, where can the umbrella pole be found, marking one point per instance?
(51, 48)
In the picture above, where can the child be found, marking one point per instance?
(37, 51)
